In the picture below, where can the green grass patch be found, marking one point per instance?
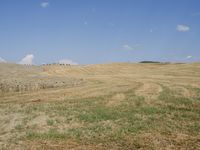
(52, 134)
(50, 122)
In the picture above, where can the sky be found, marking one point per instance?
(99, 31)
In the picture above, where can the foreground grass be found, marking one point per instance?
(93, 121)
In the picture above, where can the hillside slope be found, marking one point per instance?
(103, 106)
(20, 78)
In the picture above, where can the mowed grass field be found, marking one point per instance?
(109, 106)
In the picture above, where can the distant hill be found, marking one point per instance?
(149, 62)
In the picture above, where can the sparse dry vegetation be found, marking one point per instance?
(110, 106)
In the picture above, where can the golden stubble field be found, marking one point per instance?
(105, 106)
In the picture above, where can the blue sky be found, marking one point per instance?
(99, 31)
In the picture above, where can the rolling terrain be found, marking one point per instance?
(102, 106)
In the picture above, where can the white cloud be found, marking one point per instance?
(67, 61)
(189, 57)
(44, 4)
(27, 60)
(2, 60)
(182, 28)
(128, 47)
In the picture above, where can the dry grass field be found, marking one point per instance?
(96, 107)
